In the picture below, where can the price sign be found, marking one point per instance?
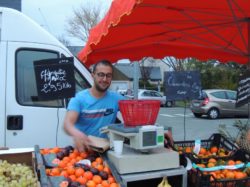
(243, 90)
(55, 78)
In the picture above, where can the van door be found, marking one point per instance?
(29, 121)
(2, 91)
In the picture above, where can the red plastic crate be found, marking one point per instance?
(139, 112)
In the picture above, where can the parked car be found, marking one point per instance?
(151, 95)
(217, 103)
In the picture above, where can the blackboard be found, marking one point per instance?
(55, 78)
(182, 85)
(243, 90)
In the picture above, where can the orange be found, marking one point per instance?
(111, 179)
(88, 175)
(72, 177)
(79, 172)
(99, 167)
(97, 179)
(70, 170)
(239, 175)
(66, 159)
(55, 150)
(72, 155)
(76, 152)
(230, 175)
(212, 160)
(107, 169)
(210, 164)
(64, 173)
(202, 151)
(188, 150)
(47, 171)
(78, 158)
(84, 155)
(214, 149)
(82, 180)
(230, 162)
(99, 160)
(238, 162)
(45, 151)
(90, 183)
(73, 161)
(94, 164)
(105, 183)
(113, 185)
(55, 172)
(62, 164)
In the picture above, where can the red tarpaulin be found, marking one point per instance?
(134, 29)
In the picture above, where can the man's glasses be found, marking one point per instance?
(102, 75)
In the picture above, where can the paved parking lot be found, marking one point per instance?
(186, 127)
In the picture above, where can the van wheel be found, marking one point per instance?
(169, 104)
(197, 115)
(213, 113)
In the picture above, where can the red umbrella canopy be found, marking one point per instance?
(205, 30)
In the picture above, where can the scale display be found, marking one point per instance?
(149, 138)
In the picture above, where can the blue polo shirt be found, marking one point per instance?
(95, 113)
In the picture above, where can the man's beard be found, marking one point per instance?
(100, 89)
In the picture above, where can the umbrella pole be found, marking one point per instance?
(136, 79)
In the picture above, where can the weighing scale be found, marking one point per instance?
(143, 149)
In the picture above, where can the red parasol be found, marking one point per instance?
(135, 29)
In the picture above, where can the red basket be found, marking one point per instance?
(139, 112)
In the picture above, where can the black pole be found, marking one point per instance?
(185, 106)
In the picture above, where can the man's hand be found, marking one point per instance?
(82, 141)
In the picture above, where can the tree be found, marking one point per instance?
(85, 17)
(175, 64)
(63, 40)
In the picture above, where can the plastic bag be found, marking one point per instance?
(164, 183)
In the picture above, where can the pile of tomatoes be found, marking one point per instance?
(97, 174)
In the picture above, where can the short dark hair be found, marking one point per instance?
(102, 62)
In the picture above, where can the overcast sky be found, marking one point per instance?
(53, 14)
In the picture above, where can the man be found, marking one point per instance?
(92, 109)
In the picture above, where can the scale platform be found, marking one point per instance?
(132, 161)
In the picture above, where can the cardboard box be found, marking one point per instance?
(22, 156)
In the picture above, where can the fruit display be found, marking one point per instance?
(83, 169)
(17, 175)
(217, 162)
(220, 172)
(217, 146)
(204, 152)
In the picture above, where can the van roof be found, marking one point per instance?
(16, 26)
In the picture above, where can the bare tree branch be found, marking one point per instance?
(84, 19)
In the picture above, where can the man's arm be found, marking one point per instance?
(81, 140)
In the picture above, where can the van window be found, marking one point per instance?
(25, 77)
(81, 82)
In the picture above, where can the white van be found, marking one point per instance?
(25, 120)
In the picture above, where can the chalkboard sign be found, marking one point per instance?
(55, 78)
(182, 85)
(243, 90)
